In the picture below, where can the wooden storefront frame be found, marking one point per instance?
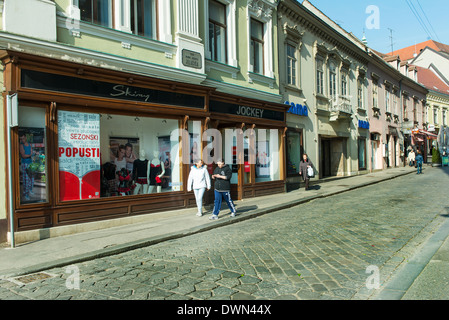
(58, 213)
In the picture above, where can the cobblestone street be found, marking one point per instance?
(317, 250)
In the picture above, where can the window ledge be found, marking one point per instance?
(77, 28)
(260, 78)
(225, 68)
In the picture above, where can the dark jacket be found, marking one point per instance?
(223, 184)
(303, 168)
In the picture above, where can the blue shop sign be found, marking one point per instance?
(363, 124)
(297, 109)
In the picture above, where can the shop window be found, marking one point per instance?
(102, 155)
(294, 152)
(96, 11)
(32, 155)
(267, 155)
(217, 31)
(362, 153)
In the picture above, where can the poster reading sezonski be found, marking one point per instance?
(79, 155)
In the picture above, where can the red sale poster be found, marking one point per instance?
(79, 155)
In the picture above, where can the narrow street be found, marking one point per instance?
(318, 250)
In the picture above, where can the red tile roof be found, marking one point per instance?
(408, 52)
(431, 81)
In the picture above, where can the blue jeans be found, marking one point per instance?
(419, 165)
(219, 199)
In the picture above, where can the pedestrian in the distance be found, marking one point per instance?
(304, 170)
(411, 158)
(419, 161)
(199, 181)
(222, 176)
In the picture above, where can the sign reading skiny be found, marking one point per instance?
(79, 155)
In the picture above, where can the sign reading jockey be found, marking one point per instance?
(79, 155)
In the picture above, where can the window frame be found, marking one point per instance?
(253, 40)
(225, 27)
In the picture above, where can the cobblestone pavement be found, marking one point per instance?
(317, 250)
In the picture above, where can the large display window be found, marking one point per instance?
(32, 155)
(267, 155)
(108, 155)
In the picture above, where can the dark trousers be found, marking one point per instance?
(307, 183)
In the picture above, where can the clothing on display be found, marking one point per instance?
(155, 170)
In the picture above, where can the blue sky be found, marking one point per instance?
(393, 14)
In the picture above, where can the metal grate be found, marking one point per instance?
(21, 280)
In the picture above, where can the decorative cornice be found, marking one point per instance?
(261, 9)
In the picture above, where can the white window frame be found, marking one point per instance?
(333, 76)
(263, 12)
(231, 39)
(360, 95)
(110, 14)
(293, 68)
(320, 80)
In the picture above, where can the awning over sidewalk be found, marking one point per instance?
(427, 133)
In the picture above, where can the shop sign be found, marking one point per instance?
(245, 111)
(60, 83)
(363, 124)
(297, 109)
(79, 155)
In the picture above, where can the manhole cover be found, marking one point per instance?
(31, 278)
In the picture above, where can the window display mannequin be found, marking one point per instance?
(155, 172)
(140, 170)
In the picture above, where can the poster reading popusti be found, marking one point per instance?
(79, 155)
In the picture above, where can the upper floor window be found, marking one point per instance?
(217, 31)
(344, 82)
(142, 18)
(404, 106)
(360, 93)
(332, 79)
(96, 11)
(319, 76)
(291, 64)
(375, 84)
(257, 46)
(387, 99)
(435, 116)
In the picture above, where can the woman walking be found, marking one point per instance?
(198, 180)
(304, 166)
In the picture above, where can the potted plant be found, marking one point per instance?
(436, 158)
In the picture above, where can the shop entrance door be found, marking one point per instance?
(325, 158)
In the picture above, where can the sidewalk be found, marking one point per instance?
(157, 227)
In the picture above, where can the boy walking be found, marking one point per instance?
(222, 176)
(419, 160)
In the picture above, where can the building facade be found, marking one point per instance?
(323, 72)
(115, 101)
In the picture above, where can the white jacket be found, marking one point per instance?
(198, 178)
